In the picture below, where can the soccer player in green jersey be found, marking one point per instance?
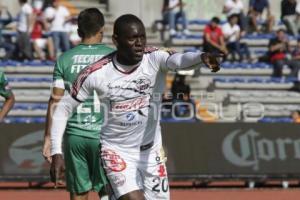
(5, 92)
(81, 142)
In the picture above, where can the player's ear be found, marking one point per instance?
(80, 34)
(114, 39)
(101, 31)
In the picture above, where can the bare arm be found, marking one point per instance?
(8, 104)
(30, 21)
(276, 47)
(223, 45)
(56, 96)
(63, 111)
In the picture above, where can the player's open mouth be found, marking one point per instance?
(139, 53)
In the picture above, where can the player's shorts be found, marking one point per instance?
(144, 171)
(83, 169)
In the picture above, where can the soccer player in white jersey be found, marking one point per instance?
(127, 82)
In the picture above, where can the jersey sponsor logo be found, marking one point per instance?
(81, 61)
(142, 84)
(130, 105)
(76, 69)
(113, 161)
(118, 180)
(130, 116)
(87, 71)
(131, 124)
(86, 59)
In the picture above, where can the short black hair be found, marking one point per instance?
(90, 21)
(216, 20)
(232, 16)
(123, 21)
(280, 30)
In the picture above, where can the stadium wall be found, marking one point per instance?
(194, 151)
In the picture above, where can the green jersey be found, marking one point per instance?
(5, 90)
(86, 121)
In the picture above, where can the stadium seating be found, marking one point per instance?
(235, 84)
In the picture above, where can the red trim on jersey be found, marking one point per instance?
(87, 71)
(150, 49)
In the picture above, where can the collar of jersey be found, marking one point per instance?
(90, 44)
(131, 67)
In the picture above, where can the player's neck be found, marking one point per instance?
(92, 40)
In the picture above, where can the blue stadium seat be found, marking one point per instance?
(192, 49)
(26, 120)
(30, 106)
(171, 120)
(202, 22)
(276, 120)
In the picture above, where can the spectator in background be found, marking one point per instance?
(180, 90)
(296, 59)
(72, 28)
(183, 105)
(278, 50)
(24, 28)
(5, 43)
(38, 40)
(236, 7)
(290, 15)
(5, 91)
(232, 35)
(172, 11)
(256, 9)
(57, 15)
(214, 38)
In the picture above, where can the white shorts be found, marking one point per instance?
(144, 171)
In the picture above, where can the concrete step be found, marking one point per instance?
(81, 5)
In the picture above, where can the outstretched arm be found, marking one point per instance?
(191, 60)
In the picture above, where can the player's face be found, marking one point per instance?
(131, 44)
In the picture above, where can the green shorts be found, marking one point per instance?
(83, 169)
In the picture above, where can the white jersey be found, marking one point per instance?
(131, 100)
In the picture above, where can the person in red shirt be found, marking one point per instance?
(38, 40)
(214, 38)
(278, 50)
